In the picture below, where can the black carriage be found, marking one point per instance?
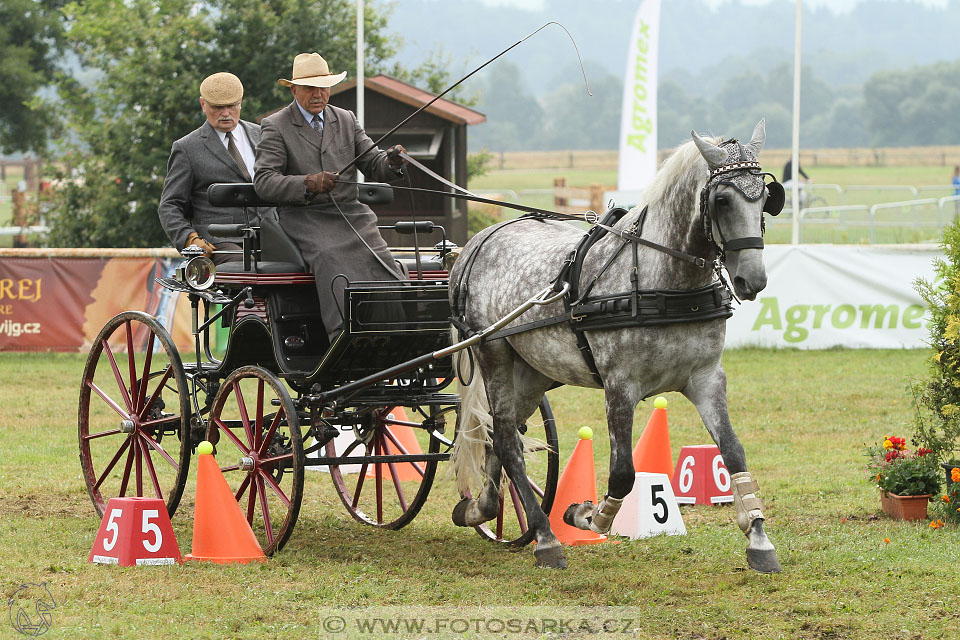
(370, 408)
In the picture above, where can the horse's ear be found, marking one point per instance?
(714, 155)
(758, 138)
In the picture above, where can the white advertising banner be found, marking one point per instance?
(822, 296)
(638, 118)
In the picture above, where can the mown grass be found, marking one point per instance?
(803, 418)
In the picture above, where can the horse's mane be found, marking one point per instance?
(680, 175)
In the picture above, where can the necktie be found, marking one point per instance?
(232, 148)
(317, 124)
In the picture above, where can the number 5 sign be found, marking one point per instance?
(700, 476)
(135, 531)
(649, 509)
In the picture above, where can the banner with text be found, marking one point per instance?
(638, 117)
(822, 296)
(60, 304)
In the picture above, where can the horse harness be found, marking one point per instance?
(642, 307)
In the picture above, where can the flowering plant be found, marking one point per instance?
(901, 472)
(949, 505)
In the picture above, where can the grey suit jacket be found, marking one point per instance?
(198, 160)
(290, 149)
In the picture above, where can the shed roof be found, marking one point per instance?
(409, 94)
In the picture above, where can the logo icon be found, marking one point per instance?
(30, 609)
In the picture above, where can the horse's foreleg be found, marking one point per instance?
(709, 394)
(599, 518)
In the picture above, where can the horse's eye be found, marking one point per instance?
(722, 202)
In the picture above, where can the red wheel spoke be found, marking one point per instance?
(103, 476)
(109, 432)
(243, 485)
(132, 365)
(139, 449)
(116, 374)
(243, 448)
(244, 419)
(156, 447)
(518, 508)
(268, 437)
(126, 469)
(536, 489)
(378, 474)
(356, 492)
(276, 488)
(396, 484)
(258, 431)
(141, 396)
(113, 405)
(156, 392)
(265, 510)
(251, 501)
(151, 470)
(403, 451)
(159, 421)
(286, 456)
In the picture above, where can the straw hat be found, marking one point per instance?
(311, 70)
(221, 89)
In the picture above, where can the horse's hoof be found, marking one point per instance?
(550, 556)
(763, 561)
(460, 513)
(578, 515)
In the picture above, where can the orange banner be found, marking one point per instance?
(61, 303)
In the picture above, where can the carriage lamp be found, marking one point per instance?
(197, 270)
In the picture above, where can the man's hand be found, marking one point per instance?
(194, 240)
(320, 182)
(394, 158)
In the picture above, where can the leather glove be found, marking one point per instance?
(194, 240)
(393, 157)
(323, 182)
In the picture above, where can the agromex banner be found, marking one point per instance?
(821, 296)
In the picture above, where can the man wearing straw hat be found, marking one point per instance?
(303, 149)
(221, 150)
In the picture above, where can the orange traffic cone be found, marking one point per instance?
(408, 440)
(652, 453)
(221, 534)
(577, 484)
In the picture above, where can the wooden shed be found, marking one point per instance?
(436, 137)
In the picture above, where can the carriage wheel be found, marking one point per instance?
(134, 415)
(254, 424)
(388, 494)
(510, 525)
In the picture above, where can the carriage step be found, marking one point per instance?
(423, 457)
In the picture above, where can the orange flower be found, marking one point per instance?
(945, 498)
(936, 524)
(886, 540)
(955, 474)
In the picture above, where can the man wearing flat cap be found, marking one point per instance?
(221, 150)
(302, 151)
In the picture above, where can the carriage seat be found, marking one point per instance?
(278, 251)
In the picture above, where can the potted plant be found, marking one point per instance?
(907, 479)
(937, 397)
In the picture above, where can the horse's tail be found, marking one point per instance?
(474, 425)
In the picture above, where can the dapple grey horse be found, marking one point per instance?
(511, 261)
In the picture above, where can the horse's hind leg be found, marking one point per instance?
(709, 393)
(471, 512)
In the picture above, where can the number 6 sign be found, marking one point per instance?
(700, 476)
(135, 531)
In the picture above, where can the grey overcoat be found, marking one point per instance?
(338, 234)
(198, 160)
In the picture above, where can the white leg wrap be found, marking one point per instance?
(606, 512)
(749, 506)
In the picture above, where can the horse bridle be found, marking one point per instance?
(744, 174)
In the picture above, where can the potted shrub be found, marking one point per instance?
(907, 479)
(937, 398)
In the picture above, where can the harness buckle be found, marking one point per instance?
(700, 262)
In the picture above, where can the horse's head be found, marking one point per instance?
(732, 204)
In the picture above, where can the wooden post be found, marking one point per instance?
(557, 200)
(19, 217)
(596, 198)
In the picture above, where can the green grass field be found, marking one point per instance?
(803, 418)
